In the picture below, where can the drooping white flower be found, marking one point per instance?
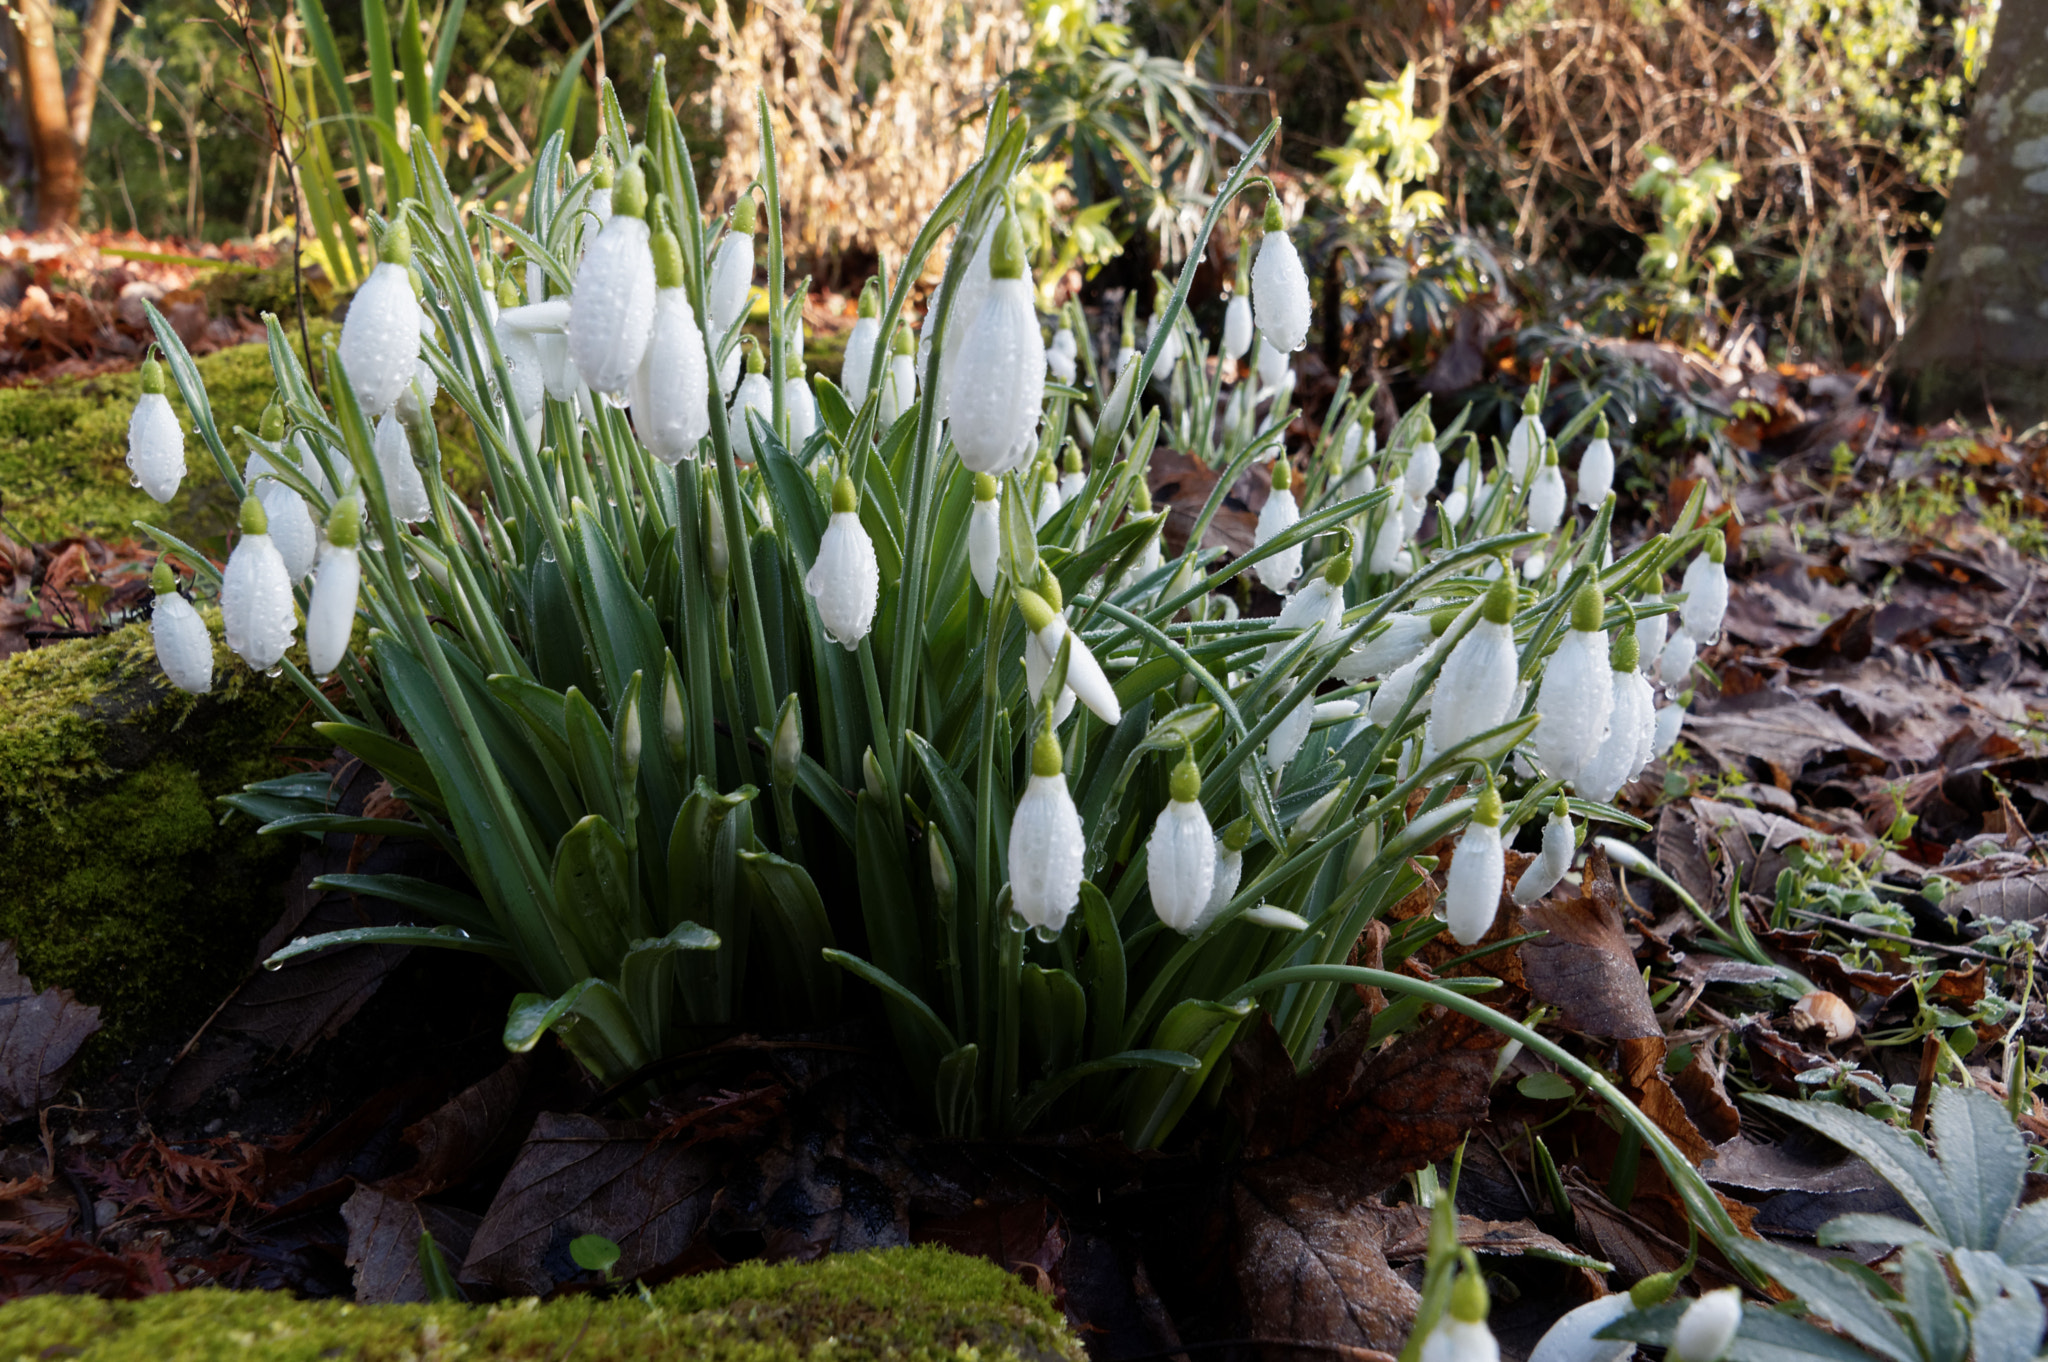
(995, 377)
(845, 580)
(1290, 734)
(1180, 857)
(1073, 480)
(1676, 662)
(984, 534)
(1280, 301)
(256, 595)
(1062, 356)
(611, 309)
(1401, 638)
(1571, 1338)
(962, 306)
(732, 271)
(756, 394)
(1706, 590)
(1707, 1329)
(331, 615)
(1650, 636)
(156, 442)
(1229, 873)
(1424, 466)
(1576, 697)
(860, 346)
(899, 382)
(1399, 685)
(801, 406)
(1542, 874)
(672, 389)
(1546, 494)
(1596, 469)
(1319, 606)
(1525, 441)
(1275, 369)
(380, 336)
(1237, 326)
(1631, 729)
(184, 649)
(1276, 517)
(522, 357)
(404, 488)
(1047, 630)
(1477, 684)
(1472, 886)
(291, 525)
(1169, 352)
(1670, 719)
(1045, 844)
(1388, 540)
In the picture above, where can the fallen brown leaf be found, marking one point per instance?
(40, 1033)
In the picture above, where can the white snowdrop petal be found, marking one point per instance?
(1274, 366)
(1309, 609)
(1037, 667)
(404, 488)
(522, 365)
(1472, 886)
(1546, 499)
(331, 615)
(156, 447)
(845, 580)
(984, 543)
(291, 526)
(1287, 738)
(611, 309)
(802, 406)
(1060, 363)
(1542, 874)
(756, 394)
(1180, 864)
(1280, 301)
(1425, 464)
(184, 648)
(1276, 517)
(672, 388)
(558, 375)
(1670, 719)
(1596, 474)
(732, 278)
(256, 602)
(1642, 718)
(1630, 729)
(380, 338)
(1405, 637)
(1573, 703)
(1676, 662)
(962, 308)
(1399, 685)
(996, 377)
(1237, 326)
(1706, 600)
(1571, 1338)
(1457, 1340)
(1525, 446)
(1708, 1327)
(1476, 686)
(1650, 638)
(1045, 854)
(860, 359)
(899, 389)
(1085, 676)
(1169, 351)
(1388, 542)
(1229, 872)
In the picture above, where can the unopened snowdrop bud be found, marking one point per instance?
(1472, 888)
(1476, 687)
(1676, 662)
(899, 384)
(380, 337)
(1280, 305)
(156, 442)
(672, 389)
(1572, 1339)
(1596, 469)
(732, 270)
(1462, 1334)
(1237, 327)
(985, 533)
(845, 580)
(1577, 696)
(1706, 590)
(755, 394)
(404, 488)
(860, 345)
(1045, 844)
(1542, 874)
(1275, 919)
(1072, 479)
(1706, 1331)
(332, 614)
(1085, 677)
(1180, 858)
(1314, 818)
(996, 379)
(1525, 442)
(183, 647)
(1546, 493)
(256, 595)
(1276, 517)
(611, 309)
(1630, 729)
(1062, 356)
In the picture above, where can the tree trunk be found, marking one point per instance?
(1979, 336)
(92, 64)
(49, 123)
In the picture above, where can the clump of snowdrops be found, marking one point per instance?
(737, 681)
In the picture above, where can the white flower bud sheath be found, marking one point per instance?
(380, 338)
(611, 309)
(183, 647)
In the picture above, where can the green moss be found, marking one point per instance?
(118, 878)
(926, 1304)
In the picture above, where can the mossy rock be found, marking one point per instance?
(925, 1304)
(119, 878)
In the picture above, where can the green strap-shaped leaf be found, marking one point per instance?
(453, 907)
(792, 926)
(447, 938)
(647, 977)
(400, 763)
(1045, 1093)
(935, 1032)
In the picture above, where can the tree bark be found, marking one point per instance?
(92, 64)
(1979, 336)
(49, 124)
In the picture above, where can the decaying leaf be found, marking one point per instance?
(384, 1243)
(40, 1033)
(454, 1138)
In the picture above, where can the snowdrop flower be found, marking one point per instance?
(1237, 327)
(417, 397)
(755, 394)
(1650, 635)
(332, 614)
(1576, 697)
(845, 580)
(1596, 471)
(1706, 590)
(799, 404)
(1676, 662)
(1467, 487)
(1062, 355)
(984, 533)
(672, 388)
(1546, 493)
(611, 309)
(256, 595)
(522, 356)
(1048, 503)
(380, 337)
(1707, 1329)
(1072, 479)
(995, 377)
(1169, 351)
(1229, 845)
(732, 270)
(1289, 735)
(183, 647)
(1542, 874)
(1280, 305)
(1319, 605)
(1276, 517)
(899, 381)
(1461, 1335)
(1424, 466)
(1180, 858)
(961, 308)
(1149, 558)
(860, 346)
(1273, 365)
(1630, 732)
(1477, 684)
(1571, 1338)
(291, 525)
(1045, 844)
(1388, 541)
(1402, 638)
(1472, 887)
(1399, 685)
(156, 442)
(404, 488)
(1525, 442)
(1048, 629)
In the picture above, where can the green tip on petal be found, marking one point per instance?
(1283, 474)
(668, 259)
(1036, 611)
(1468, 1298)
(1186, 783)
(152, 377)
(397, 246)
(1045, 753)
(1338, 570)
(871, 297)
(630, 198)
(1499, 606)
(905, 342)
(1600, 430)
(1273, 222)
(743, 215)
(844, 498)
(1006, 257)
(986, 488)
(253, 519)
(1625, 652)
(162, 580)
(345, 523)
(1589, 608)
(1717, 546)
(1530, 406)
(271, 427)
